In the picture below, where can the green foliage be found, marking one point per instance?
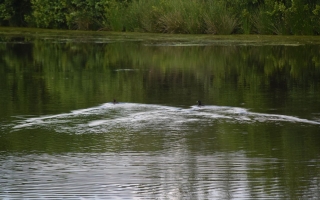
(179, 16)
(297, 17)
(12, 12)
(6, 11)
(219, 19)
(74, 14)
(85, 15)
(139, 15)
(48, 14)
(291, 17)
(114, 18)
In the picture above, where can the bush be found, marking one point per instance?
(114, 17)
(168, 16)
(218, 19)
(48, 14)
(12, 12)
(74, 14)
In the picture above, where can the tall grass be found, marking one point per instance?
(218, 19)
(139, 16)
(179, 16)
(114, 19)
(295, 17)
(213, 17)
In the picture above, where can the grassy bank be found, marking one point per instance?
(12, 34)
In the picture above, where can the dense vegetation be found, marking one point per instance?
(298, 17)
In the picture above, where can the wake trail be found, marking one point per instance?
(133, 116)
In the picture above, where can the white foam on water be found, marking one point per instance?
(132, 116)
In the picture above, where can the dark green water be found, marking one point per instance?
(258, 135)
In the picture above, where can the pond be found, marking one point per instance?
(61, 135)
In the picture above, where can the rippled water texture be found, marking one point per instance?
(171, 173)
(61, 137)
(143, 117)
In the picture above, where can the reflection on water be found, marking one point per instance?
(126, 175)
(172, 171)
(257, 137)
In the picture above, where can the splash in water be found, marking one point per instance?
(133, 117)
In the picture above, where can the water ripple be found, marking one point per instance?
(136, 176)
(132, 116)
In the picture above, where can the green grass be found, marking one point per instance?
(220, 17)
(179, 16)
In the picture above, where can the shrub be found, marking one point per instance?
(218, 19)
(12, 12)
(114, 15)
(168, 16)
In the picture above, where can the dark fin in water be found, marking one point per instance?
(199, 103)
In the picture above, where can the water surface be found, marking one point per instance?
(258, 135)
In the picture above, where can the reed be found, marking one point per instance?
(219, 20)
(299, 17)
(181, 16)
(165, 16)
(113, 18)
(137, 15)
